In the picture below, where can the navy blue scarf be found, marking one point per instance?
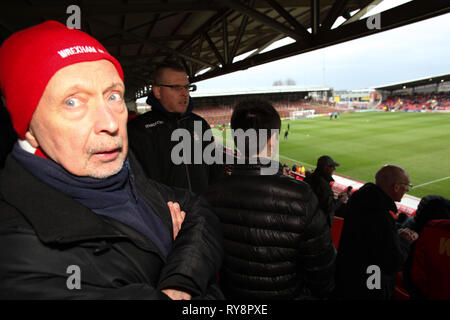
(114, 196)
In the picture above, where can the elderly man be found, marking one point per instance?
(152, 134)
(78, 219)
(372, 249)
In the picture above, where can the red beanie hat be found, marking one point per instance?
(29, 58)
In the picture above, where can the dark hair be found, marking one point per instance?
(172, 65)
(254, 114)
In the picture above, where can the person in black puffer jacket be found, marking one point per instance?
(277, 242)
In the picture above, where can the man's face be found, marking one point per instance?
(172, 99)
(401, 186)
(329, 170)
(80, 121)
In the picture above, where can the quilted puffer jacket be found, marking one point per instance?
(277, 242)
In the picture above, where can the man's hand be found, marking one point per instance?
(408, 234)
(177, 217)
(176, 294)
(343, 197)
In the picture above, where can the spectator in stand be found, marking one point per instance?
(320, 181)
(431, 207)
(78, 218)
(285, 169)
(371, 239)
(308, 173)
(302, 170)
(150, 134)
(277, 242)
(7, 134)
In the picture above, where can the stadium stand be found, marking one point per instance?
(221, 114)
(417, 102)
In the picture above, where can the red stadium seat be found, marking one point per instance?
(336, 230)
(400, 292)
(430, 271)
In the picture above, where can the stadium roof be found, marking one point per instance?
(261, 90)
(204, 34)
(415, 83)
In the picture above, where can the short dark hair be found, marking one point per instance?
(172, 65)
(255, 114)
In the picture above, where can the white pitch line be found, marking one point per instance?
(427, 183)
(309, 165)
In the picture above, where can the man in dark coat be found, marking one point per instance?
(320, 181)
(78, 218)
(155, 136)
(372, 249)
(277, 242)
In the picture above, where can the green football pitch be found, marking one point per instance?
(363, 142)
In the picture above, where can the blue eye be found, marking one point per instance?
(72, 102)
(115, 97)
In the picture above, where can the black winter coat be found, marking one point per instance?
(7, 134)
(277, 242)
(320, 184)
(43, 232)
(149, 136)
(369, 238)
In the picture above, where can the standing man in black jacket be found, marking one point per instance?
(155, 143)
(372, 249)
(78, 218)
(277, 242)
(320, 181)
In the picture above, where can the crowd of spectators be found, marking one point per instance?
(218, 113)
(144, 227)
(417, 102)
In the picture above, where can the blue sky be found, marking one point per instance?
(410, 52)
